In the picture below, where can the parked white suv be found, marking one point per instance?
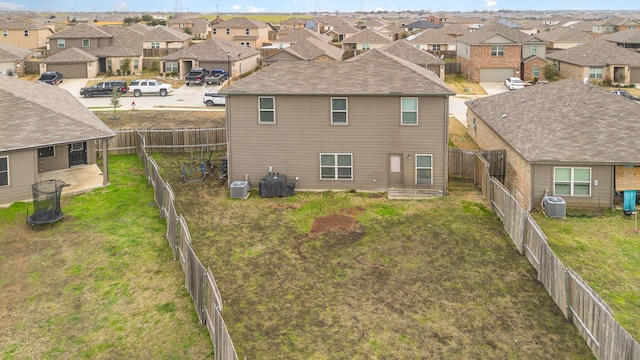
(148, 86)
(212, 97)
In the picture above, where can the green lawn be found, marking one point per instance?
(604, 249)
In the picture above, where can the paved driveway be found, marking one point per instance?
(183, 98)
(493, 88)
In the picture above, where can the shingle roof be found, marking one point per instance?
(352, 77)
(479, 36)
(22, 24)
(70, 55)
(199, 25)
(166, 34)
(345, 29)
(423, 24)
(629, 36)
(433, 36)
(312, 48)
(291, 36)
(404, 50)
(293, 21)
(32, 120)
(81, 31)
(562, 34)
(564, 121)
(214, 49)
(240, 23)
(11, 52)
(366, 36)
(598, 52)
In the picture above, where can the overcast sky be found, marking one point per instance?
(253, 6)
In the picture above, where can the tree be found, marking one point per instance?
(115, 101)
(147, 18)
(155, 66)
(125, 65)
(188, 30)
(550, 72)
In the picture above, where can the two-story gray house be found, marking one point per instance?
(373, 123)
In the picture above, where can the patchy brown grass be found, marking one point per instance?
(459, 137)
(158, 119)
(459, 83)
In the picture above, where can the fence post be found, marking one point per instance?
(568, 291)
(524, 232)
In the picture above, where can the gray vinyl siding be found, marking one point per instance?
(22, 175)
(303, 130)
(601, 195)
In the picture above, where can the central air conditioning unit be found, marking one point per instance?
(555, 207)
(240, 189)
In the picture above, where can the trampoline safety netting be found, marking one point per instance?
(46, 202)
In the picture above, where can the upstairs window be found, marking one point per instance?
(228, 31)
(339, 111)
(155, 45)
(267, 110)
(246, 31)
(533, 48)
(86, 43)
(435, 47)
(26, 33)
(497, 50)
(409, 111)
(61, 43)
(215, 31)
(5, 33)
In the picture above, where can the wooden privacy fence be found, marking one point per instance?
(579, 303)
(462, 163)
(199, 281)
(172, 140)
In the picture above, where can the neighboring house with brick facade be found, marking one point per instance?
(242, 31)
(496, 52)
(13, 59)
(345, 129)
(598, 61)
(560, 140)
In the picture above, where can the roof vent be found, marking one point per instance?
(504, 116)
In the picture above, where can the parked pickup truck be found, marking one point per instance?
(147, 86)
(216, 76)
(196, 76)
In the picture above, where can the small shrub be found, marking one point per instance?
(118, 72)
(607, 81)
(550, 72)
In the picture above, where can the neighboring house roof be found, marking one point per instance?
(423, 24)
(617, 21)
(199, 25)
(456, 30)
(562, 34)
(32, 120)
(126, 41)
(166, 34)
(214, 49)
(140, 28)
(180, 20)
(311, 49)
(352, 77)
(628, 36)
(406, 51)
(292, 36)
(580, 25)
(345, 29)
(433, 36)
(10, 52)
(293, 21)
(334, 20)
(240, 23)
(70, 55)
(479, 36)
(564, 121)
(598, 52)
(22, 24)
(374, 23)
(366, 36)
(390, 28)
(81, 31)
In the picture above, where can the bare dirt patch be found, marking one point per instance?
(159, 119)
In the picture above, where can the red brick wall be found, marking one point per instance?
(480, 58)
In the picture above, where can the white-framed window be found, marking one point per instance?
(536, 71)
(215, 31)
(339, 111)
(136, 64)
(497, 50)
(336, 166)
(5, 33)
(155, 45)
(409, 111)
(109, 65)
(86, 43)
(533, 48)
(228, 31)
(171, 66)
(247, 32)
(46, 152)
(4, 170)
(366, 46)
(26, 33)
(424, 169)
(572, 181)
(435, 47)
(267, 109)
(595, 73)
(61, 43)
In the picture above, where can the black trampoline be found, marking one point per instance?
(46, 202)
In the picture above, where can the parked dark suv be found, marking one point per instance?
(104, 88)
(196, 76)
(51, 77)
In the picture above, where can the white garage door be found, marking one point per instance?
(635, 75)
(496, 75)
